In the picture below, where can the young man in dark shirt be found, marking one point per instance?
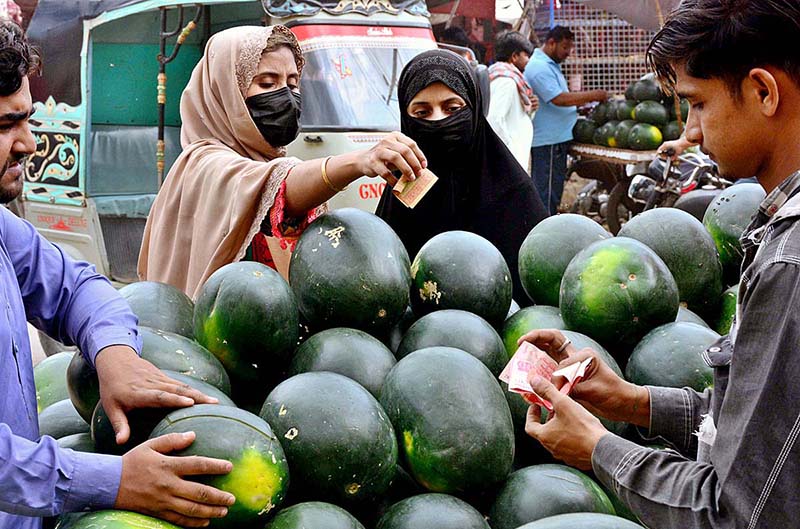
(739, 462)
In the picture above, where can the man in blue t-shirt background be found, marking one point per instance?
(557, 114)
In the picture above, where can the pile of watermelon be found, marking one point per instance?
(363, 393)
(642, 120)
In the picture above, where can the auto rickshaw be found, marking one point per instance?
(107, 121)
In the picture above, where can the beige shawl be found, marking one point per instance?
(226, 179)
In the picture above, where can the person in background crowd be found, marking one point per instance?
(512, 100)
(41, 284)
(232, 194)
(738, 458)
(556, 116)
(481, 186)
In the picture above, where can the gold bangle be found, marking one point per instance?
(323, 168)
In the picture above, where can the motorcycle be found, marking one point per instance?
(688, 182)
(592, 199)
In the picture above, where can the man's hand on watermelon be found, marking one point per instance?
(601, 391)
(154, 482)
(128, 382)
(571, 433)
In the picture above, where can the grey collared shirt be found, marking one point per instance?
(747, 473)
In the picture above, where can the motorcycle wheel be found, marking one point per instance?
(621, 207)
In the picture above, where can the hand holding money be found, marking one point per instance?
(529, 360)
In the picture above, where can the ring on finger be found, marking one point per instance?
(564, 345)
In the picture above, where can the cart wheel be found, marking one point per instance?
(621, 207)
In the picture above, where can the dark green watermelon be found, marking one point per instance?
(61, 419)
(260, 476)
(726, 219)
(350, 269)
(160, 306)
(314, 515)
(687, 249)
(447, 442)
(728, 310)
(616, 291)
(112, 520)
(246, 315)
(671, 131)
(540, 491)
(143, 420)
(583, 130)
(686, 315)
(80, 442)
(548, 249)
(583, 520)
(174, 352)
(50, 377)
(670, 356)
(622, 132)
(349, 352)
(600, 113)
(460, 329)
(432, 511)
(528, 319)
(625, 110)
(338, 440)
(651, 112)
(461, 270)
(647, 90)
(83, 386)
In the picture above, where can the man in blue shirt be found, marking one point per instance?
(557, 114)
(73, 303)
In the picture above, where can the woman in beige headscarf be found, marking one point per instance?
(232, 192)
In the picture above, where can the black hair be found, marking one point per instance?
(726, 39)
(18, 59)
(455, 35)
(559, 33)
(510, 42)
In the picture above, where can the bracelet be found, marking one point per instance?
(323, 169)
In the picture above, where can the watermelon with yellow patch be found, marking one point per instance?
(110, 519)
(247, 316)
(260, 476)
(453, 423)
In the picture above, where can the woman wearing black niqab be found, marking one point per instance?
(481, 188)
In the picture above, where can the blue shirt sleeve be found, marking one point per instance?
(65, 298)
(543, 81)
(42, 479)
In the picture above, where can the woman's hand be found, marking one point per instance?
(395, 152)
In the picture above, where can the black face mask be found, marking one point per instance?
(449, 136)
(276, 115)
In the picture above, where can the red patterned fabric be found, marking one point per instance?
(286, 230)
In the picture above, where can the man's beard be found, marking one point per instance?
(11, 190)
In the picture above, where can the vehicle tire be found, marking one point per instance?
(621, 207)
